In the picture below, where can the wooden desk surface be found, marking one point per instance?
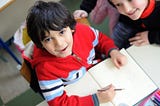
(5, 3)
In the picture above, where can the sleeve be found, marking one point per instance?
(106, 44)
(154, 37)
(103, 43)
(121, 33)
(88, 5)
(53, 91)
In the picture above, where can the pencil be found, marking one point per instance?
(119, 89)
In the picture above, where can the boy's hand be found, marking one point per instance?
(80, 14)
(117, 58)
(106, 95)
(140, 39)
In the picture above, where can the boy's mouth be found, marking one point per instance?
(132, 13)
(64, 49)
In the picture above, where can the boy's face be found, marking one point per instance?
(131, 8)
(59, 43)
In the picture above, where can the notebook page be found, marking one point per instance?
(148, 57)
(85, 86)
(131, 78)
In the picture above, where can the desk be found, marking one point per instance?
(148, 57)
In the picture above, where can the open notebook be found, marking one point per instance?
(135, 82)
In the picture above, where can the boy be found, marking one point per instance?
(64, 51)
(139, 22)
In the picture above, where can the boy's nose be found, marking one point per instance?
(127, 8)
(59, 42)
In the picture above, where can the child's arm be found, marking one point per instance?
(80, 14)
(106, 95)
(106, 45)
(121, 33)
(145, 38)
(154, 37)
(117, 58)
(140, 39)
(85, 8)
(55, 95)
(88, 5)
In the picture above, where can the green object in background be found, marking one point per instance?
(28, 98)
(1, 102)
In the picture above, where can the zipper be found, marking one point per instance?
(77, 57)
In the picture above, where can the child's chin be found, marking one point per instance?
(65, 55)
(134, 17)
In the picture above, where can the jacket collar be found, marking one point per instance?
(149, 9)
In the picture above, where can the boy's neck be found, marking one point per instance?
(150, 7)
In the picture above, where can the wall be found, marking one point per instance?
(12, 17)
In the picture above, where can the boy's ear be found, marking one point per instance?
(72, 31)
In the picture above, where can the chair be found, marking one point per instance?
(5, 46)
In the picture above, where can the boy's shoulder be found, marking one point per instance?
(82, 27)
(84, 31)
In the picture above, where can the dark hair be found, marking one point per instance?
(45, 16)
(111, 3)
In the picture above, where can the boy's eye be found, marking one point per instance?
(118, 4)
(62, 31)
(47, 39)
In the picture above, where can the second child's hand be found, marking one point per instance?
(140, 39)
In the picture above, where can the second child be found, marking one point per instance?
(139, 22)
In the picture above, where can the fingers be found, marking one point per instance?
(80, 14)
(107, 94)
(117, 64)
(140, 39)
(120, 61)
(106, 88)
(83, 15)
(134, 38)
(139, 42)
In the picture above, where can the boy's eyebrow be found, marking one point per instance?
(46, 33)
(55, 25)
